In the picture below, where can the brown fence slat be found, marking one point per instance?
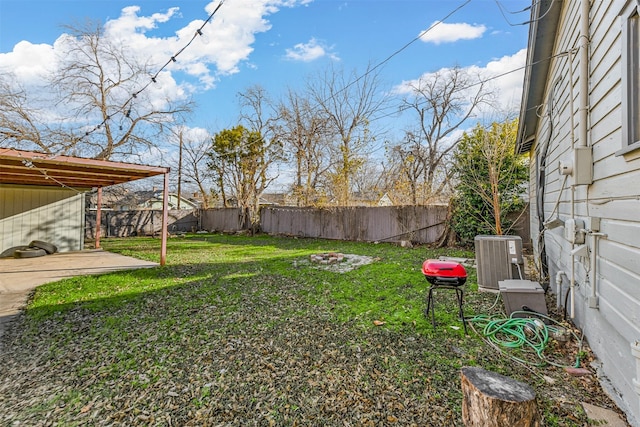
(418, 224)
(421, 224)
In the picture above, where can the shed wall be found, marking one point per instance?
(54, 215)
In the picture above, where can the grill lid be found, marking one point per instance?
(444, 272)
(434, 267)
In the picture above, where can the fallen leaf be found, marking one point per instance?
(577, 372)
(378, 322)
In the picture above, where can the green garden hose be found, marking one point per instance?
(518, 332)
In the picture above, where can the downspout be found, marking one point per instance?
(593, 300)
(584, 73)
(584, 101)
(572, 279)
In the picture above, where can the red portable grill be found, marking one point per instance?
(444, 275)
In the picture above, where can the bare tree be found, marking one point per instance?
(442, 101)
(349, 105)
(192, 167)
(369, 186)
(304, 131)
(408, 167)
(21, 124)
(103, 111)
(260, 114)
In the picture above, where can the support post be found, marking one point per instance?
(98, 218)
(165, 219)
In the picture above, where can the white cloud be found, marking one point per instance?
(28, 62)
(441, 32)
(504, 76)
(310, 51)
(129, 22)
(227, 42)
(507, 74)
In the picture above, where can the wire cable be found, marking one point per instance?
(388, 58)
(479, 82)
(501, 8)
(127, 104)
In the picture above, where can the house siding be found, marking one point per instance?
(612, 199)
(28, 213)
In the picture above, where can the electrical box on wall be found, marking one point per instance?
(574, 231)
(582, 166)
(565, 168)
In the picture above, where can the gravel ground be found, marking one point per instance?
(246, 353)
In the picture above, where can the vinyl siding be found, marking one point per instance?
(54, 215)
(613, 197)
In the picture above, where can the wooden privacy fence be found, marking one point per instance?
(418, 224)
(145, 222)
(421, 224)
(224, 219)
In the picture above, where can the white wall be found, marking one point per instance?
(51, 214)
(612, 200)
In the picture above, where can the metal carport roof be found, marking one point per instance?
(41, 169)
(32, 168)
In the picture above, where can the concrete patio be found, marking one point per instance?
(20, 276)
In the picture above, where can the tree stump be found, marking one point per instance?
(493, 400)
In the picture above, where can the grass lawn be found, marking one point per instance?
(240, 331)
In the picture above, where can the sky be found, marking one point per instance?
(278, 44)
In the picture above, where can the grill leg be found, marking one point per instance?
(459, 299)
(431, 308)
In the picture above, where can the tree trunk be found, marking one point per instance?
(448, 236)
(493, 400)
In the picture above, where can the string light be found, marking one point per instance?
(28, 163)
(172, 59)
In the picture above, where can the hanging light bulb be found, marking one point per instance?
(203, 36)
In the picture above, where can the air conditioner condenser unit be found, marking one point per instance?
(498, 258)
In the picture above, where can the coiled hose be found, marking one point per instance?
(522, 332)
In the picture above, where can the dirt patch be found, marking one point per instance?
(343, 263)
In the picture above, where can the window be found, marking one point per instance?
(631, 78)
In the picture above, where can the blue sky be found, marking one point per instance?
(278, 43)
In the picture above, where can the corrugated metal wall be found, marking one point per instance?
(28, 213)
